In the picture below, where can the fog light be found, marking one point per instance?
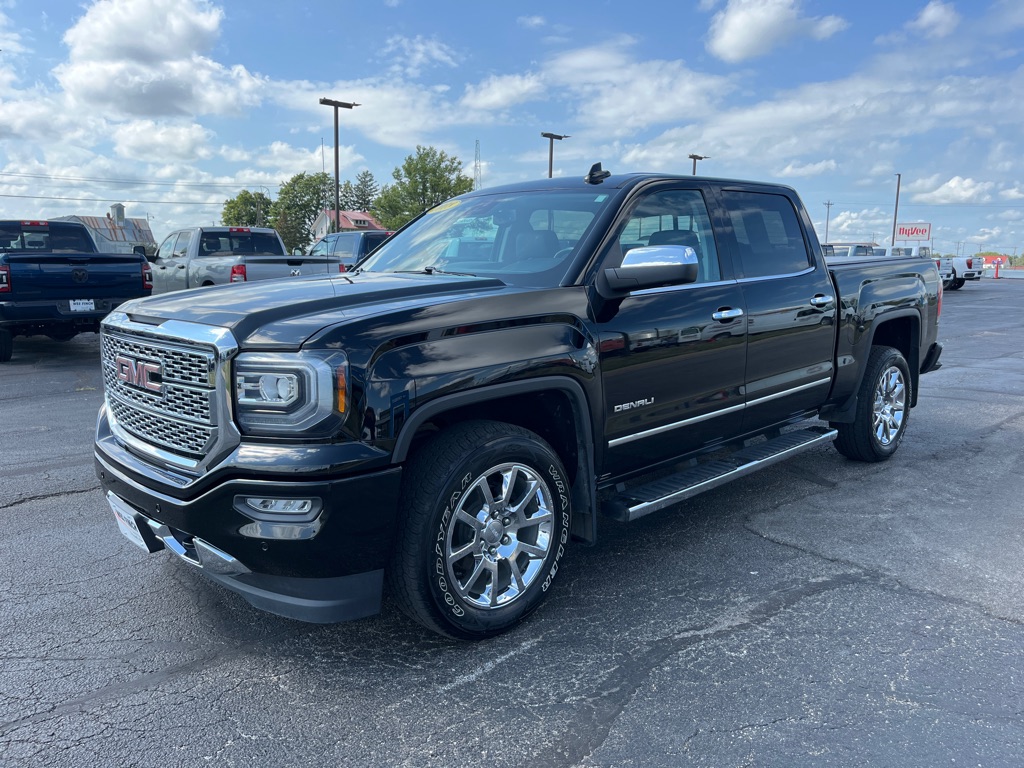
(281, 506)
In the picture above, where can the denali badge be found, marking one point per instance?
(634, 404)
(139, 373)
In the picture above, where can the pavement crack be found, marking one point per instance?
(600, 712)
(45, 496)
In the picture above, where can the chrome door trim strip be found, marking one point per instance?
(675, 425)
(704, 417)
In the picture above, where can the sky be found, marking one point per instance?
(173, 106)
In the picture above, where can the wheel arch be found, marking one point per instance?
(900, 329)
(554, 407)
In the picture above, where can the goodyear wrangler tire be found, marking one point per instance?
(485, 523)
(883, 409)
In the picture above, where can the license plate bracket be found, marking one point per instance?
(132, 525)
(82, 305)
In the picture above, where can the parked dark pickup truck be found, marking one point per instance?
(53, 282)
(446, 418)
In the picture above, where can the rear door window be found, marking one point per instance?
(767, 233)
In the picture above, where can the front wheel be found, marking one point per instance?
(883, 408)
(486, 519)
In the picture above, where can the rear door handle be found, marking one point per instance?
(727, 314)
(822, 301)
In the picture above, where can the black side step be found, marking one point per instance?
(641, 500)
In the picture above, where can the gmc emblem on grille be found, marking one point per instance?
(139, 373)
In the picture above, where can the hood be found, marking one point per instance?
(286, 312)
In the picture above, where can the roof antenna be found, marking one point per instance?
(596, 175)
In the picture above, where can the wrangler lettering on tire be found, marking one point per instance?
(487, 513)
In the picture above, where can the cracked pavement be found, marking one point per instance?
(820, 612)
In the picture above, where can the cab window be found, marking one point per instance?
(767, 232)
(674, 217)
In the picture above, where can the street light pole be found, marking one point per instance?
(828, 215)
(896, 210)
(695, 158)
(336, 105)
(551, 149)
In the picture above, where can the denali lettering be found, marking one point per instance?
(139, 373)
(634, 404)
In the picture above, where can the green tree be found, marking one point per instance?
(299, 201)
(365, 192)
(346, 197)
(246, 209)
(425, 179)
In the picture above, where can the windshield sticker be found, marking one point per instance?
(445, 206)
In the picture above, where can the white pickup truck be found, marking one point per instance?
(965, 268)
(198, 256)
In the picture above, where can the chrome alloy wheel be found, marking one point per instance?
(499, 536)
(890, 405)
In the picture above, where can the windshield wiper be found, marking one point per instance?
(432, 270)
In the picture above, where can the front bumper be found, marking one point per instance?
(326, 566)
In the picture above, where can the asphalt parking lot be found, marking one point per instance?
(820, 612)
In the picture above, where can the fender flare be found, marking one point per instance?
(584, 489)
(844, 413)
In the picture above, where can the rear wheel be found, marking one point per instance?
(883, 408)
(487, 511)
(957, 284)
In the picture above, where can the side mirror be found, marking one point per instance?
(653, 266)
(139, 250)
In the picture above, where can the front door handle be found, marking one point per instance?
(822, 301)
(726, 314)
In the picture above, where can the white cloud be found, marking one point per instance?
(116, 63)
(531, 22)
(871, 224)
(1014, 193)
(411, 55)
(937, 20)
(956, 190)
(499, 92)
(745, 29)
(808, 169)
(618, 95)
(148, 141)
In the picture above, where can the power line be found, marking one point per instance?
(141, 182)
(111, 200)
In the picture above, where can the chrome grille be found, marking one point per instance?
(179, 418)
(180, 437)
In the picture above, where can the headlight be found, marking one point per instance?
(294, 393)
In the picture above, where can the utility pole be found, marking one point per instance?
(695, 158)
(828, 213)
(478, 174)
(551, 149)
(896, 210)
(336, 105)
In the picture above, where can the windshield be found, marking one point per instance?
(523, 238)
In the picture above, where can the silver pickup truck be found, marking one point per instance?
(198, 256)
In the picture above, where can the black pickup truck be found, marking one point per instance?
(505, 369)
(53, 282)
